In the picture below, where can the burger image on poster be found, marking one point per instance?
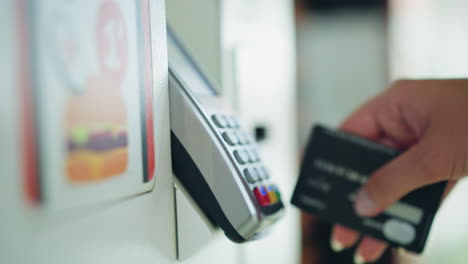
(96, 115)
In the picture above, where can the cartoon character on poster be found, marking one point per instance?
(96, 116)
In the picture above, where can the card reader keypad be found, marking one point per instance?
(247, 158)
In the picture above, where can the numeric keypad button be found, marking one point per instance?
(241, 156)
(243, 138)
(263, 173)
(232, 122)
(252, 174)
(253, 155)
(220, 121)
(230, 138)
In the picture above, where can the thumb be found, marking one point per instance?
(423, 164)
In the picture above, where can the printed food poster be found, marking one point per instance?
(90, 71)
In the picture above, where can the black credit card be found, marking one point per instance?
(336, 164)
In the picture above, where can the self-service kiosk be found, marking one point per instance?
(114, 153)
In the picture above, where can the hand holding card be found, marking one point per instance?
(427, 120)
(336, 165)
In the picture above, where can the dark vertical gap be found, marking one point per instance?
(142, 91)
(176, 222)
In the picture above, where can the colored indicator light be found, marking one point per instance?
(272, 195)
(265, 195)
(262, 196)
(277, 192)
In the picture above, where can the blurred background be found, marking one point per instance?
(347, 51)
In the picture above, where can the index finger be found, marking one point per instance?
(362, 122)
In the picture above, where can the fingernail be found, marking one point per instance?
(364, 204)
(402, 251)
(336, 246)
(358, 259)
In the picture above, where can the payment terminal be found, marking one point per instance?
(216, 161)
